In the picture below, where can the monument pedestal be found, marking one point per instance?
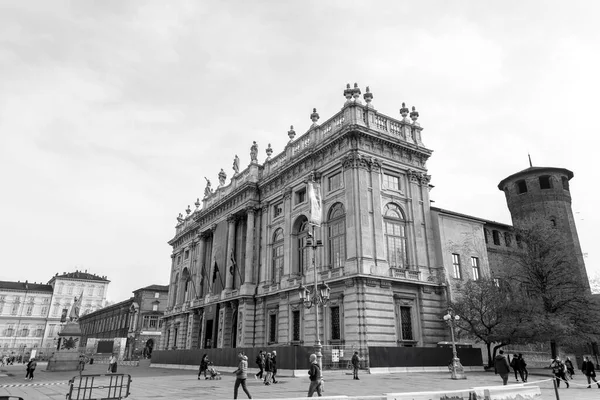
(66, 356)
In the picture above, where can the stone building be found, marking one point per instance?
(23, 313)
(137, 321)
(66, 287)
(240, 257)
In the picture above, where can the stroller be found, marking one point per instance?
(214, 374)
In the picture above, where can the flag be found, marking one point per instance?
(76, 307)
(314, 198)
(233, 263)
(215, 272)
(63, 316)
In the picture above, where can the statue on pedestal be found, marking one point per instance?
(236, 165)
(254, 152)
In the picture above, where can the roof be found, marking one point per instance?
(80, 275)
(108, 308)
(154, 288)
(38, 287)
(535, 171)
(485, 221)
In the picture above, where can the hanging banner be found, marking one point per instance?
(314, 197)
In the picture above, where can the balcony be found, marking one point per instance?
(405, 274)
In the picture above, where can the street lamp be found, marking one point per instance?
(456, 369)
(319, 295)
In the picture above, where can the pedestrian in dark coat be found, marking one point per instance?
(274, 365)
(355, 365)
(314, 373)
(268, 369)
(569, 366)
(514, 364)
(523, 368)
(31, 365)
(502, 367)
(203, 366)
(587, 367)
(260, 363)
(558, 369)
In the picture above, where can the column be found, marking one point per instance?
(287, 232)
(248, 263)
(376, 206)
(200, 265)
(230, 250)
(171, 301)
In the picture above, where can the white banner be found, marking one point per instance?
(314, 197)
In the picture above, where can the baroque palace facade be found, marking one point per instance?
(240, 257)
(392, 262)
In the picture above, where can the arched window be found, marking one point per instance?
(277, 262)
(337, 235)
(302, 253)
(395, 236)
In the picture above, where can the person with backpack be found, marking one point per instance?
(31, 365)
(260, 363)
(558, 369)
(587, 367)
(314, 373)
(355, 364)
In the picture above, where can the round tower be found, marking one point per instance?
(542, 195)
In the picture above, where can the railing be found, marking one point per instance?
(405, 273)
(332, 273)
(109, 386)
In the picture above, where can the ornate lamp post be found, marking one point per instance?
(319, 295)
(456, 369)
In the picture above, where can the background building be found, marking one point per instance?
(23, 314)
(135, 322)
(66, 287)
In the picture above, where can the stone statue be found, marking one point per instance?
(222, 177)
(254, 152)
(74, 314)
(236, 165)
(208, 188)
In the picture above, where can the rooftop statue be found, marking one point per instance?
(254, 152)
(236, 165)
(208, 188)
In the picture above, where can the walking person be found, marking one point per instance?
(203, 366)
(81, 363)
(274, 366)
(502, 367)
(268, 369)
(587, 367)
(523, 368)
(260, 363)
(112, 364)
(314, 373)
(31, 365)
(570, 369)
(355, 365)
(514, 364)
(241, 373)
(558, 368)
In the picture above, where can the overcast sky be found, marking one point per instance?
(112, 112)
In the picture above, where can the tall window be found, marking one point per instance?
(29, 309)
(456, 265)
(395, 236)
(334, 182)
(337, 235)
(301, 196)
(496, 236)
(277, 210)
(335, 323)
(391, 182)
(475, 265)
(296, 325)
(277, 262)
(272, 328)
(406, 321)
(302, 259)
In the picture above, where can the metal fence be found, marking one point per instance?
(22, 354)
(105, 387)
(336, 357)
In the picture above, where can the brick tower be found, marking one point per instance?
(541, 194)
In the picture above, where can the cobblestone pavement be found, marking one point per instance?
(158, 383)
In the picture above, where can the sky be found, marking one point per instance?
(113, 112)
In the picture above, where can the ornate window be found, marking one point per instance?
(336, 331)
(277, 262)
(296, 325)
(337, 235)
(395, 236)
(277, 210)
(406, 323)
(302, 259)
(334, 182)
(391, 182)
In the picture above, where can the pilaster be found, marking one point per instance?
(230, 251)
(248, 286)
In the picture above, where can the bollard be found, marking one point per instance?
(555, 389)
